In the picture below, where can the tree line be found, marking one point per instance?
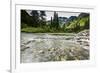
(37, 19)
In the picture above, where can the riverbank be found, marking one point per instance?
(46, 30)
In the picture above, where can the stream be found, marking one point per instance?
(44, 47)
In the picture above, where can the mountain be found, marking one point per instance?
(78, 23)
(71, 18)
(62, 20)
(83, 15)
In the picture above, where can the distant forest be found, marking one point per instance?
(37, 22)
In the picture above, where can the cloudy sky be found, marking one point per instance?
(50, 14)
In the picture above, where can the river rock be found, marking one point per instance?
(41, 51)
(83, 33)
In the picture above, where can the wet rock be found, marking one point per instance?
(83, 39)
(24, 48)
(83, 33)
(41, 51)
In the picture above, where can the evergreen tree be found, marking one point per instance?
(51, 25)
(86, 26)
(35, 17)
(57, 26)
(42, 18)
(26, 20)
(55, 21)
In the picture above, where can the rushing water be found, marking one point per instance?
(43, 47)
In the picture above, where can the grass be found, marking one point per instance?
(40, 30)
(33, 30)
(46, 30)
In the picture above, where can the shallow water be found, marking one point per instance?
(37, 47)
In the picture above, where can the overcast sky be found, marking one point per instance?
(50, 14)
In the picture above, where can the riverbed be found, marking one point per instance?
(45, 47)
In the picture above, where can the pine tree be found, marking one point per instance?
(35, 17)
(51, 23)
(42, 18)
(57, 26)
(26, 20)
(55, 21)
